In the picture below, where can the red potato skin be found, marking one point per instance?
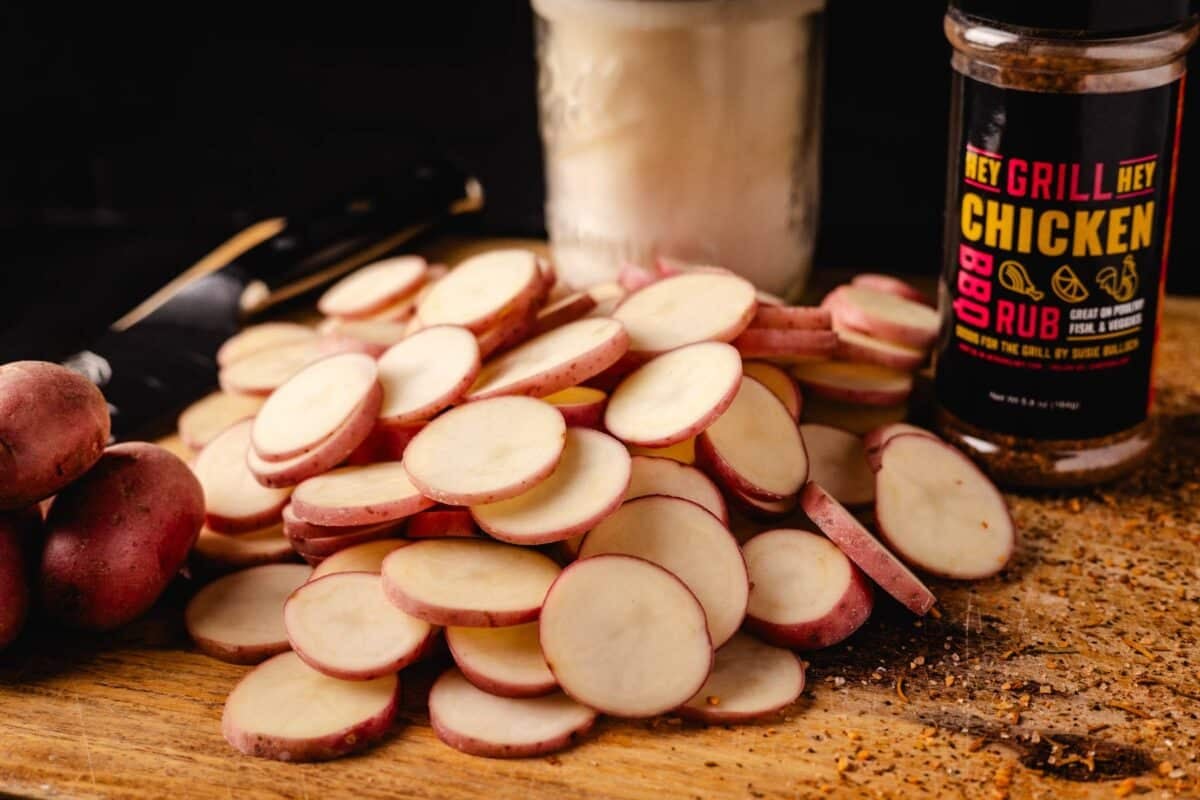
(322, 748)
(849, 315)
(507, 333)
(874, 440)
(245, 655)
(442, 523)
(792, 318)
(54, 425)
(584, 415)
(328, 454)
(847, 616)
(765, 510)
(117, 537)
(778, 343)
(477, 747)
(716, 715)
(717, 468)
(327, 546)
(19, 545)
(498, 688)
(578, 370)
(418, 653)
(568, 309)
(364, 515)
(891, 285)
(863, 354)
(867, 552)
(297, 529)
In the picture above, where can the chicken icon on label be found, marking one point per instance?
(1067, 286)
(1014, 277)
(1119, 286)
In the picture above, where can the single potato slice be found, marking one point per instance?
(371, 288)
(482, 289)
(586, 486)
(239, 618)
(200, 422)
(359, 496)
(674, 396)
(266, 336)
(786, 345)
(502, 661)
(468, 582)
(845, 531)
(234, 500)
(481, 724)
(805, 594)
(861, 348)
(220, 552)
(749, 680)
(426, 373)
(693, 307)
(866, 384)
(684, 452)
(344, 626)
(838, 462)
(313, 404)
(359, 558)
(690, 543)
(559, 359)
(755, 447)
(779, 382)
(876, 438)
(884, 315)
(652, 475)
(568, 308)
(337, 448)
(939, 512)
(605, 649)
(263, 371)
(792, 318)
(286, 710)
(486, 451)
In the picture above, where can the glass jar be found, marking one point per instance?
(686, 129)
(1064, 136)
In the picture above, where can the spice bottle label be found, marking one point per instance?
(1057, 223)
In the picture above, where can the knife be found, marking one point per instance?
(162, 354)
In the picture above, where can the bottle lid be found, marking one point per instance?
(1080, 18)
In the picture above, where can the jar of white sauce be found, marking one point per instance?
(687, 129)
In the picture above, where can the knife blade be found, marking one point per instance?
(162, 354)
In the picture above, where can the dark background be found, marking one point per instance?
(134, 141)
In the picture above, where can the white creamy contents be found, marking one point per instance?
(681, 128)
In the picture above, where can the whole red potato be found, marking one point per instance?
(53, 427)
(117, 537)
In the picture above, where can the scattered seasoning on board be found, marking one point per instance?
(1063, 145)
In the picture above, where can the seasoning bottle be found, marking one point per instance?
(1064, 137)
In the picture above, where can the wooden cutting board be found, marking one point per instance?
(1074, 674)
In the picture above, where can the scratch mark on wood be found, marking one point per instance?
(87, 747)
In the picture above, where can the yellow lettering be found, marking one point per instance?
(1087, 233)
(1118, 227)
(1142, 227)
(1124, 179)
(970, 165)
(999, 225)
(1049, 243)
(1025, 230)
(972, 208)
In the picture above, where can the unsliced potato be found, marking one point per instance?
(18, 540)
(53, 427)
(117, 537)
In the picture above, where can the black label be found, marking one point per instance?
(1057, 221)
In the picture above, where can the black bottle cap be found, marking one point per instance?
(1080, 18)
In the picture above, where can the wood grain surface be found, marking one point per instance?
(1076, 673)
